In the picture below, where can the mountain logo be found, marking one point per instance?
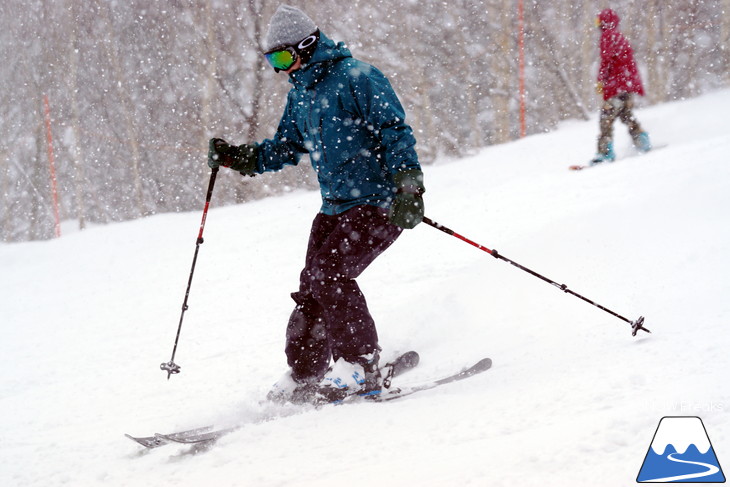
(681, 452)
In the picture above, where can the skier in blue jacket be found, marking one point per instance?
(345, 115)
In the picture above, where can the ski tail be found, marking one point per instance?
(400, 365)
(479, 367)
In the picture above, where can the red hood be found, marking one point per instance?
(609, 19)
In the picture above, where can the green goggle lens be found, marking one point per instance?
(282, 60)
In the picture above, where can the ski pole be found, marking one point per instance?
(171, 367)
(635, 325)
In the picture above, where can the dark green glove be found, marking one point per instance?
(407, 211)
(240, 158)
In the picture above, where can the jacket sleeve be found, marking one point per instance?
(285, 148)
(380, 107)
(608, 51)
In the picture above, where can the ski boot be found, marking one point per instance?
(286, 389)
(361, 376)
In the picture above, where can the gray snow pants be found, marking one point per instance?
(619, 106)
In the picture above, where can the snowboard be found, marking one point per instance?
(580, 167)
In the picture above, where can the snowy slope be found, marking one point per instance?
(572, 399)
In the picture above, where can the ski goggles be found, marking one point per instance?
(283, 58)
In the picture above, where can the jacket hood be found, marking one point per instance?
(326, 53)
(609, 19)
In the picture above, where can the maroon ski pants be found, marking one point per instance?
(331, 318)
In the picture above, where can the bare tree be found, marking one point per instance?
(122, 84)
(73, 88)
(137, 91)
(725, 37)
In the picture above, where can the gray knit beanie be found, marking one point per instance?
(288, 26)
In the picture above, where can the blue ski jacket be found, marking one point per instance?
(345, 115)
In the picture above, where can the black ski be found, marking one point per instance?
(400, 365)
(393, 369)
(390, 395)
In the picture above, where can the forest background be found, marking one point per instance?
(135, 88)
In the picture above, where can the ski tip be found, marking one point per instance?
(576, 167)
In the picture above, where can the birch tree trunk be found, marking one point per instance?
(210, 70)
(39, 224)
(589, 54)
(255, 11)
(126, 108)
(5, 222)
(76, 152)
(725, 37)
(500, 65)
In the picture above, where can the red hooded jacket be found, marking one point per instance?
(618, 72)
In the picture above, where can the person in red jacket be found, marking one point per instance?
(618, 81)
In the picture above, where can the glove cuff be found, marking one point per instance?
(244, 159)
(409, 181)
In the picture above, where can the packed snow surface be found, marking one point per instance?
(572, 399)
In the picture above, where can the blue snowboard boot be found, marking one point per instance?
(609, 156)
(642, 142)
